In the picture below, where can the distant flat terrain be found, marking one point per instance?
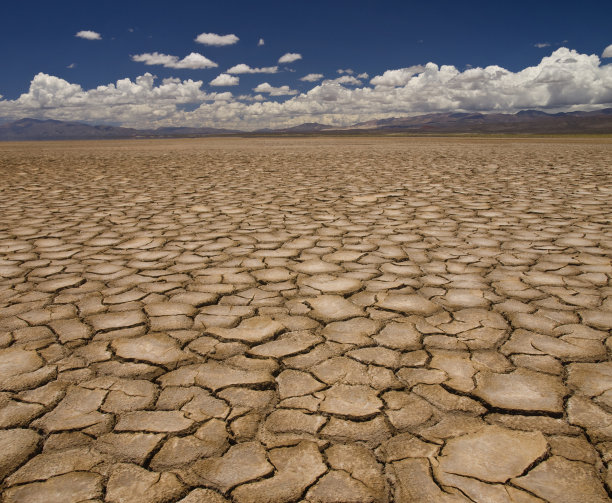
(315, 319)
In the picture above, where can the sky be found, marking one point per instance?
(260, 64)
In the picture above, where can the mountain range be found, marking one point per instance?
(523, 122)
(48, 129)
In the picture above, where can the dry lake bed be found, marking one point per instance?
(318, 320)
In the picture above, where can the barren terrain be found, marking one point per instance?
(319, 320)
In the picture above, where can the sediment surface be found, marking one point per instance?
(319, 320)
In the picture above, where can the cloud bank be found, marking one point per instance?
(89, 35)
(193, 61)
(564, 80)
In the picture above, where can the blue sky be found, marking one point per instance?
(482, 54)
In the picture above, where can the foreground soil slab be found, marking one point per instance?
(318, 320)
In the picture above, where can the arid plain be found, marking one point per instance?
(307, 319)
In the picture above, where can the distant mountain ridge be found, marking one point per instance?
(49, 129)
(307, 127)
(525, 121)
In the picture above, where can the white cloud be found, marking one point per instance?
(541, 45)
(346, 79)
(242, 68)
(71, 65)
(225, 80)
(348, 71)
(193, 61)
(139, 102)
(312, 77)
(363, 75)
(223, 97)
(290, 57)
(248, 97)
(563, 81)
(89, 35)
(216, 40)
(261, 42)
(274, 91)
(397, 78)
(607, 53)
(155, 58)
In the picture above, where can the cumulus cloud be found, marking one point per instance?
(290, 57)
(348, 71)
(223, 97)
(563, 81)
(193, 61)
(71, 65)
(261, 42)
(137, 102)
(346, 79)
(607, 53)
(89, 35)
(274, 91)
(397, 78)
(541, 45)
(242, 68)
(312, 77)
(225, 80)
(363, 75)
(248, 97)
(216, 40)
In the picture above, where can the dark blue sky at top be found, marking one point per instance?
(367, 36)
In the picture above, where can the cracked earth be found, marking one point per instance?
(331, 320)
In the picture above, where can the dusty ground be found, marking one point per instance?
(350, 320)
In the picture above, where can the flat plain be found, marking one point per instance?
(319, 320)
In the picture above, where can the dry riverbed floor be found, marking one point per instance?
(318, 320)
